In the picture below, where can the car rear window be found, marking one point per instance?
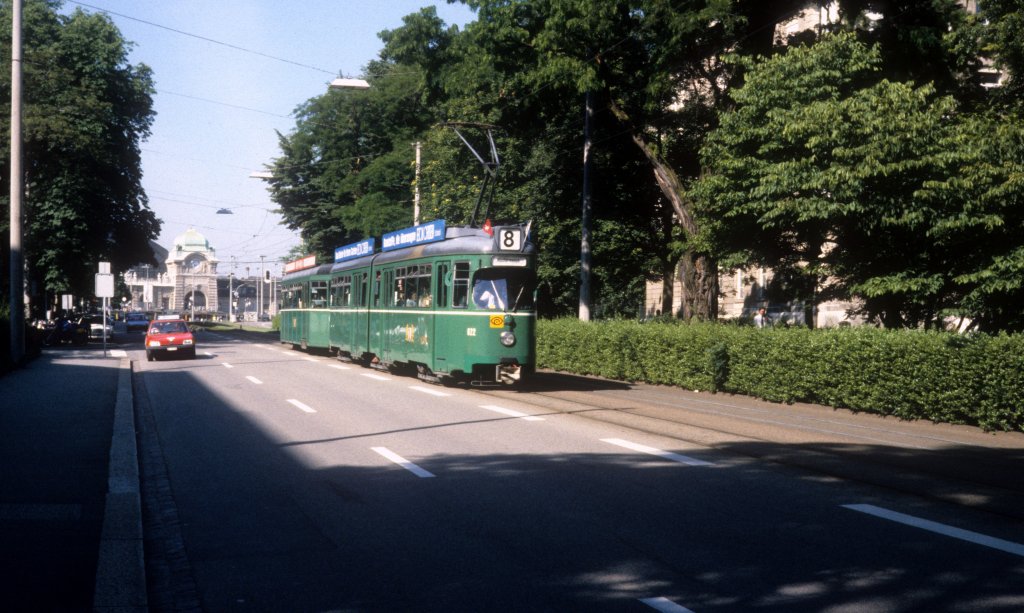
(168, 327)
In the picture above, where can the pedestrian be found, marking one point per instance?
(761, 320)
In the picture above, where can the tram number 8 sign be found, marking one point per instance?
(510, 239)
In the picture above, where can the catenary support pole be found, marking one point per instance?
(585, 258)
(17, 272)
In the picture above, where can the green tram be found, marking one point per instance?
(455, 303)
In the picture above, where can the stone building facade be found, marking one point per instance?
(185, 282)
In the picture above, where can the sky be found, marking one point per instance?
(219, 103)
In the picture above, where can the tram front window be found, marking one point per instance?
(503, 289)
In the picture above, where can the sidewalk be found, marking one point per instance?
(70, 522)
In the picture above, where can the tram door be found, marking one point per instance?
(361, 316)
(449, 329)
(382, 325)
(436, 321)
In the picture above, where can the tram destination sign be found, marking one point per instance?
(355, 250)
(416, 235)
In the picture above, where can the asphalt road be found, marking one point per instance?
(274, 480)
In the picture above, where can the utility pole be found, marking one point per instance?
(585, 222)
(260, 293)
(416, 191)
(17, 276)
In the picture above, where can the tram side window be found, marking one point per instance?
(291, 297)
(460, 285)
(346, 291)
(341, 291)
(418, 291)
(364, 288)
(318, 294)
(376, 290)
(401, 286)
(412, 286)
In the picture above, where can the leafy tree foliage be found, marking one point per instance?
(1004, 43)
(85, 112)
(429, 74)
(859, 164)
(344, 172)
(872, 188)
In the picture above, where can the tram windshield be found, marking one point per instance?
(503, 289)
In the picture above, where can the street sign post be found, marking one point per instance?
(105, 290)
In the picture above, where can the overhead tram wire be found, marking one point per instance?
(216, 202)
(203, 38)
(208, 39)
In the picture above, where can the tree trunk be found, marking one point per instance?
(699, 273)
(668, 262)
(668, 275)
(699, 281)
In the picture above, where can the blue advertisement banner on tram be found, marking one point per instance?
(355, 250)
(416, 235)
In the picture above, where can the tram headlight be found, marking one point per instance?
(508, 338)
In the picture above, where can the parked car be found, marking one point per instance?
(65, 330)
(136, 321)
(95, 323)
(169, 337)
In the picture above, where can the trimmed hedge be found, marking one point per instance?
(976, 380)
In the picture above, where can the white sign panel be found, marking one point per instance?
(104, 285)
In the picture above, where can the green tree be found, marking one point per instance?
(344, 172)
(655, 69)
(86, 111)
(1004, 43)
(871, 188)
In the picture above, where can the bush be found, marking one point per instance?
(976, 380)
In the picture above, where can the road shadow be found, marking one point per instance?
(552, 381)
(315, 520)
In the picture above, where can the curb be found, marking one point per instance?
(121, 567)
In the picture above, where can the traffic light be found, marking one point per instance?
(266, 276)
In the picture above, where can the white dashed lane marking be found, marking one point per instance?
(406, 464)
(302, 406)
(668, 455)
(664, 605)
(254, 379)
(964, 535)
(510, 412)
(427, 390)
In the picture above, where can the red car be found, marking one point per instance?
(169, 336)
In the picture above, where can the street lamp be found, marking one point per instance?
(346, 83)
